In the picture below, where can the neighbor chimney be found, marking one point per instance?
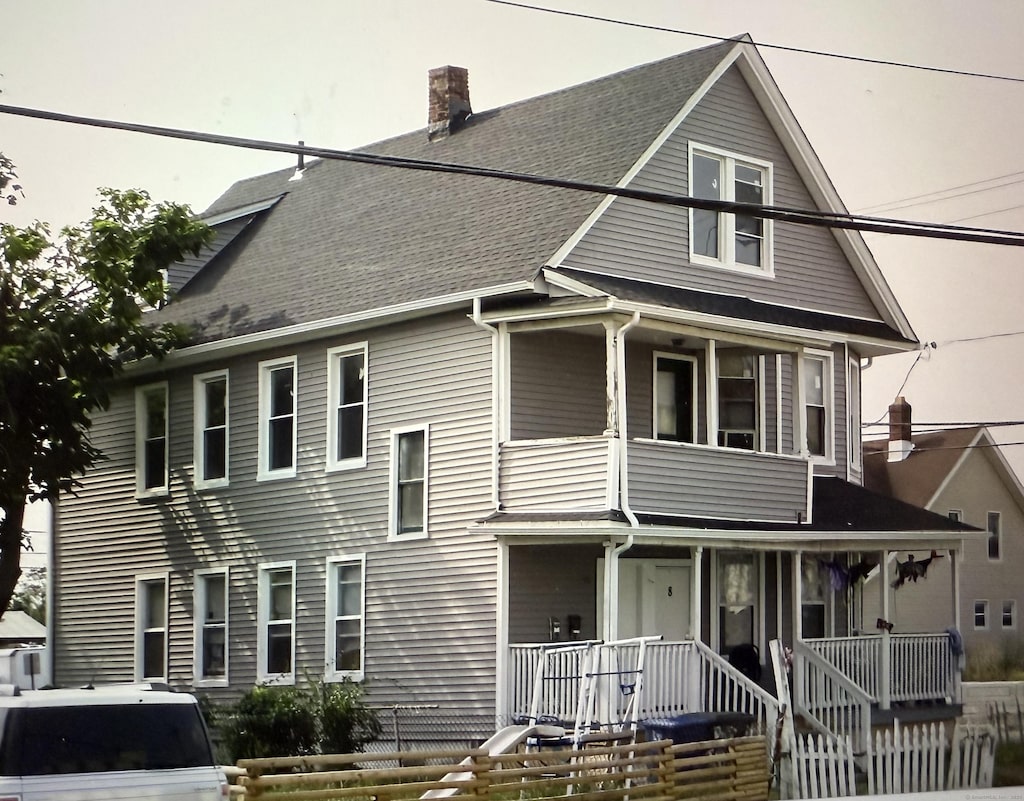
(449, 100)
(900, 441)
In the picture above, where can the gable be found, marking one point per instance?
(637, 240)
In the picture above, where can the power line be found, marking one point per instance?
(950, 447)
(988, 213)
(923, 201)
(956, 424)
(792, 215)
(766, 45)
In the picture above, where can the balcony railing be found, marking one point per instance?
(664, 478)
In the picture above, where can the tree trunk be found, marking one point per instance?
(11, 532)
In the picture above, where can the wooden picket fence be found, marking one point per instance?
(1008, 721)
(732, 770)
(900, 760)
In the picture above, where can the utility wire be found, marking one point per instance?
(949, 447)
(766, 45)
(930, 197)
(797, 216)
(956, 424)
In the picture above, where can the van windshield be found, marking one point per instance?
(40, 741)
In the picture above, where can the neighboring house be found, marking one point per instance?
(428, 417)
(20, 628)
(963, 474)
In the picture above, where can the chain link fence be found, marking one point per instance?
(429, 728)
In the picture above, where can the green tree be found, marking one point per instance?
(71, 319)
(30, 594)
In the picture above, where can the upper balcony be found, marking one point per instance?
(603, 415)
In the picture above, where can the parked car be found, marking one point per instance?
(114, 742)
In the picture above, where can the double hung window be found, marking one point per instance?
(211, 626)
(981, 614)
(210, 446)
(727, 239)
(346, 407)
(151, 431)
(818, 405)
(345, 581)
(278, 406)
(151, 628)
(276, 635)
(409, 470)
(737, 400)
(995, 536)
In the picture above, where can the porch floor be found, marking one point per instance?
(916, 712)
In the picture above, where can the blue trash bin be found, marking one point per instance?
(692, 727)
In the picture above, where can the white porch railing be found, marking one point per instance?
(922, 667)
(677, 677)
(829, 700)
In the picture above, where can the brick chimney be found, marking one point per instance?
(448, 101)
(900, 437)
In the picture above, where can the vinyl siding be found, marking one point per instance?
(430, 604)
(552, 581)
(650, 242)
(708, 482)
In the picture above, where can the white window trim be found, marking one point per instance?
(854, 414)
(714, 423)
(987, 613)
(727, 221)
(199, 383)
(141, 581)
(829, 394)
(263, 621)
(1013, 615)
(999, 536)
(393, 533)
(199, 603)
(334, 357)
(264, 473)
(141, 417)
(678, 357)
(331, 642)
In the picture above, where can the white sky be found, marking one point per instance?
(348, 73)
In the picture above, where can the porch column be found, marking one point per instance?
(798, 625)
(611, 376)
(954, 571)
(695, 592)
(711, 393)
(885, 651)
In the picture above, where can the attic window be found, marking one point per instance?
(719, 239)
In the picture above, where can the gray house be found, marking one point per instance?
(963, 474)
(431, 421)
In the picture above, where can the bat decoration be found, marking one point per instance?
(911, 570)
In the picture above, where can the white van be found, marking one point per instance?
(115, 742)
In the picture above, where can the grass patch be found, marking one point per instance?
(1002, 661)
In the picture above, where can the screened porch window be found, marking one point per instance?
(737, 593)
(737, 400)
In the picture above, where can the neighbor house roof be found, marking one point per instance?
(917, 478)
(16, 626)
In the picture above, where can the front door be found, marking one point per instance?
(654, 598)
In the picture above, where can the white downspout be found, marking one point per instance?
(495, 399)
(611, 562)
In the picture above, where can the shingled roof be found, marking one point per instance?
(349, 237)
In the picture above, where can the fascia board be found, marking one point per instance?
(241, 211)
(812, 171)
(318, 329)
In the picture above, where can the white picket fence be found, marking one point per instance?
(913, 759)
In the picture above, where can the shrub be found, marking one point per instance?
(270, 721)
(996, 661)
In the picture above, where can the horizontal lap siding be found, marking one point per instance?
(424, 598)
(650, 242)
(558, 384)
(554, 476)
(715, 483)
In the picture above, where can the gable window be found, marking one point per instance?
(276, 636)
(981, 614)
(675, 398)
(151, 628)
(1009, 614)
(737, 401)
(346, 407)
(409, 465)
(277, 418)
(818, 404)
(345, 581)
(722, 239)
(210, 445)
(995, 536)
(956, 515)
(151, 440)
(211, 627)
